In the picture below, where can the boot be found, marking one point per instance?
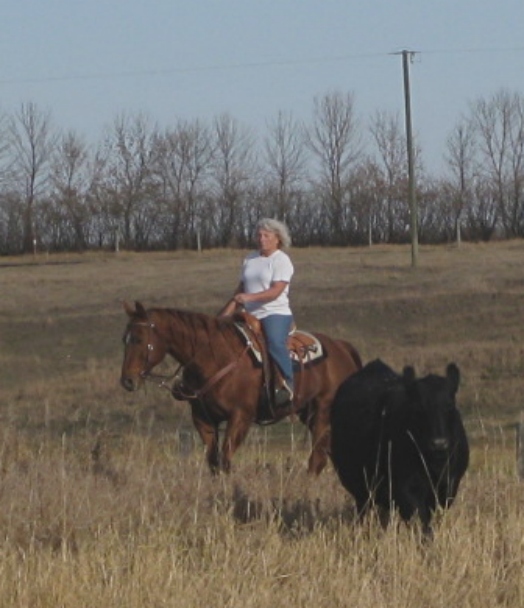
(283, 395)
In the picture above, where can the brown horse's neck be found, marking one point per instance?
(192, 336)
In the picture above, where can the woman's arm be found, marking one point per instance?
(267, 295)
(231, 305)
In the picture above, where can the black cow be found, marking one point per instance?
(398, 441)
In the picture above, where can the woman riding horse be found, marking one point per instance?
(263, 291)
(224, 383)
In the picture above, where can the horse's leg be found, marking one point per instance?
(209, 434)
(319, 426)
(236, 431)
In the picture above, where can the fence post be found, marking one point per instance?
(520, 447)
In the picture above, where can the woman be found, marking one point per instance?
(264, 292)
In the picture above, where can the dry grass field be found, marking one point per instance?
(105, 499)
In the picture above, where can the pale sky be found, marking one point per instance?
(87, 61)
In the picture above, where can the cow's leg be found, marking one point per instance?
(417, 499)
(384, 516)
(236, 431)
(209, 434)
(425, 512)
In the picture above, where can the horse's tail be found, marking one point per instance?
(353, 352)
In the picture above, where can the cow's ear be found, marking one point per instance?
(408, 374)
(453, 377)
(410, 384)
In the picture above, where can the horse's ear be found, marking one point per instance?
(140, 310)
(130, 311)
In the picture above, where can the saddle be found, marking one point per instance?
(303, 349)
(303, 346)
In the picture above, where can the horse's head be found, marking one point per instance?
(143, 347)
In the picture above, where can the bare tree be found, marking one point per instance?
(335, 140)
(70, 183)
(285, 158)
(388, 136)
(10, 204)
(499, 122)
(367, 194)
(32, 143)
(234, 173)
(482, 213)
(129, 184)
(11, 223)
(183, 163)
(461, 161)
(5, 157)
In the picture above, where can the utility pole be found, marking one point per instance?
(406, 57)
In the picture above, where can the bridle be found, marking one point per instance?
(179, 390)
(147, 375)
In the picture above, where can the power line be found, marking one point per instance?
(478, 50)
(209, 68)
(242, 66)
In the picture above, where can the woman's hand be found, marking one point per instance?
(228, 309)
(242, 298)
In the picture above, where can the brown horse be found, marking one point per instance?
(223, 382)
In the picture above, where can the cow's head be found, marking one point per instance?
(431, 403)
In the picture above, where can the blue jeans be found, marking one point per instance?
(276, 329)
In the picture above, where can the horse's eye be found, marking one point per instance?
(130, 339)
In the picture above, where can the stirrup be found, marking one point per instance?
(283, 395)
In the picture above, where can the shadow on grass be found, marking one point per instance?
(295, 518)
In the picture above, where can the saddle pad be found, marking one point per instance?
(303, 346)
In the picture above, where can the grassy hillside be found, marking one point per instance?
(105, 496)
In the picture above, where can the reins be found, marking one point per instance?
(150, 377)
(178, 390)
(180, 393)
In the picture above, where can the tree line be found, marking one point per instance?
(335, 181)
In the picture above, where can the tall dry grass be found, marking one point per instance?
(105, 498)
(137, 523)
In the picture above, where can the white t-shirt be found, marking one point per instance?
(258, 272)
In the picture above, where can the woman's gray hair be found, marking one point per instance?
(277, 227)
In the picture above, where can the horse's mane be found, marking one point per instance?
(199, 321)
